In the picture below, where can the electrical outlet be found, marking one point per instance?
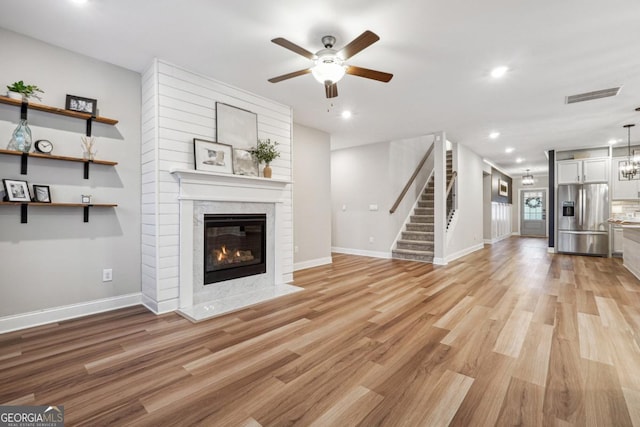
(107, 275)
(295, 249)
(371, 239)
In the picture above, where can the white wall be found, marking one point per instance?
(467, 234)
(311, 197)
(56, 259)
(179, 105)
(374, 174)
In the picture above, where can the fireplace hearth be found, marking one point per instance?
(234, 246)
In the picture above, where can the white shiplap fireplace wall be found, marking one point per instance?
(177, 106)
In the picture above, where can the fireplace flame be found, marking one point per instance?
(224, 256)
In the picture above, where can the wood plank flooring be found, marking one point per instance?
(509, 335)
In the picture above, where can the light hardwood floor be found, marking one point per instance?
(509, 335)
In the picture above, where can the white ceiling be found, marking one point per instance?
(440, 52)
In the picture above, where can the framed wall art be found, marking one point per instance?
(236, 126)
(41, 193)
(82, 105)
(503, 188)
(212, 156)
(244, 163)
(16, 191)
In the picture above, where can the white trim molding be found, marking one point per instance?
(361, 252)
(463, 252)
(66, 312)
(312, 263)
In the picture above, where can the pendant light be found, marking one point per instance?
(527, 179)
(631, 168)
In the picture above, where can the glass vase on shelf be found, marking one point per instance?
(21, 138)
(88, 147)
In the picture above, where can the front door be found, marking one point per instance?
(533, 213)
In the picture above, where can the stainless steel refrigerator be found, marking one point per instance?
(583, 210)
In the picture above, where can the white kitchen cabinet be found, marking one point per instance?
(623, 189)
(583, 171)
(617, 240)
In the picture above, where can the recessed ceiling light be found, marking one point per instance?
(346, 114)
(494, 135)
(79, 1)
(509, 150)
(612, 141)
(498, 72)
(519, 160)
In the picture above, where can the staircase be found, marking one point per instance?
(416, 242)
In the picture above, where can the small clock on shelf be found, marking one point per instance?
(43, 146)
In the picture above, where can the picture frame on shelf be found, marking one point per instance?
(212, 156)
(244, 163)
(236, 126)
(503, 187)
(41, 193)
(82, 105)
(16, 191)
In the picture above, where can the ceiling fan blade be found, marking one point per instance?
(331, 90)
(293, 47)
(290, 75)
(363, 41)
(369, 74)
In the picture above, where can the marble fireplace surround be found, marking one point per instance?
(212, 193)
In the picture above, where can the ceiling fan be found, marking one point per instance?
(329, 64)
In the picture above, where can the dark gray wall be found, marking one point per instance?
(496, 176)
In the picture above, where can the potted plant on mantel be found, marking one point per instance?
(19, 90)
(265, 152)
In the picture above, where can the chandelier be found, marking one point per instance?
(527, 179)
(630, 168)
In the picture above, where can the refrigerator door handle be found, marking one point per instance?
(582, 232)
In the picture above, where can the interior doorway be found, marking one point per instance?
(533, 212)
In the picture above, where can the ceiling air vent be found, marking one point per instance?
(588, 96)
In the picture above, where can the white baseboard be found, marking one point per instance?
(160, 307)
(464, 252)
(631, 269)
(58, 314)
(360, 252)
(515, 233)
(312, 263)
(439, 261)
(551, 250)
(497, 239)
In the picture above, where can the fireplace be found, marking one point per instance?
(234, 246)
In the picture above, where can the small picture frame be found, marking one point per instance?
(16, 191)
(244, 163)
(41, 193)
(212, 156)
(82, 105)
(503, 187)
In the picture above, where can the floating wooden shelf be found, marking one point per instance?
(54, 157)
(59, 111)
(23, 165)
(62, 205)
(25, 205)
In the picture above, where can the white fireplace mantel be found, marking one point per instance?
(216, 190)
(243, 188)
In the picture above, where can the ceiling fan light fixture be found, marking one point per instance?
(328, 68)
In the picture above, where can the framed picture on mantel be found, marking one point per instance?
(236, 126)
(212, 156)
